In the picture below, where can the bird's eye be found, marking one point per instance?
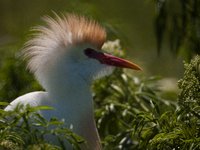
(88, 51)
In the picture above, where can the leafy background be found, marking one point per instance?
(133, 110)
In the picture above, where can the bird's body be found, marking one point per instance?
(80, 117)
(65, 58)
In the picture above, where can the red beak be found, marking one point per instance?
(115, 61)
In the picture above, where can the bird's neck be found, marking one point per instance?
(73, 94)
(73, 101)
(72, 90)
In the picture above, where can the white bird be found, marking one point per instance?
(65, 57)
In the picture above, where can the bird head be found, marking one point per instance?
(69, 46)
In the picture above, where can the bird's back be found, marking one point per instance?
(33, 99)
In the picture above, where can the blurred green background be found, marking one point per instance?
(132, 21)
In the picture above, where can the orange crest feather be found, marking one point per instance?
(58, 35)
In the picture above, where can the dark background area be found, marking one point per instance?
(130, 21)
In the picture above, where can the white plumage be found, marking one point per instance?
(65, 58)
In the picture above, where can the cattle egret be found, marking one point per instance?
(65, 57)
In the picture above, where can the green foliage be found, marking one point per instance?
(177, 129)
(179, 21)
(118, 104)
(25, 129)
(190, 84)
